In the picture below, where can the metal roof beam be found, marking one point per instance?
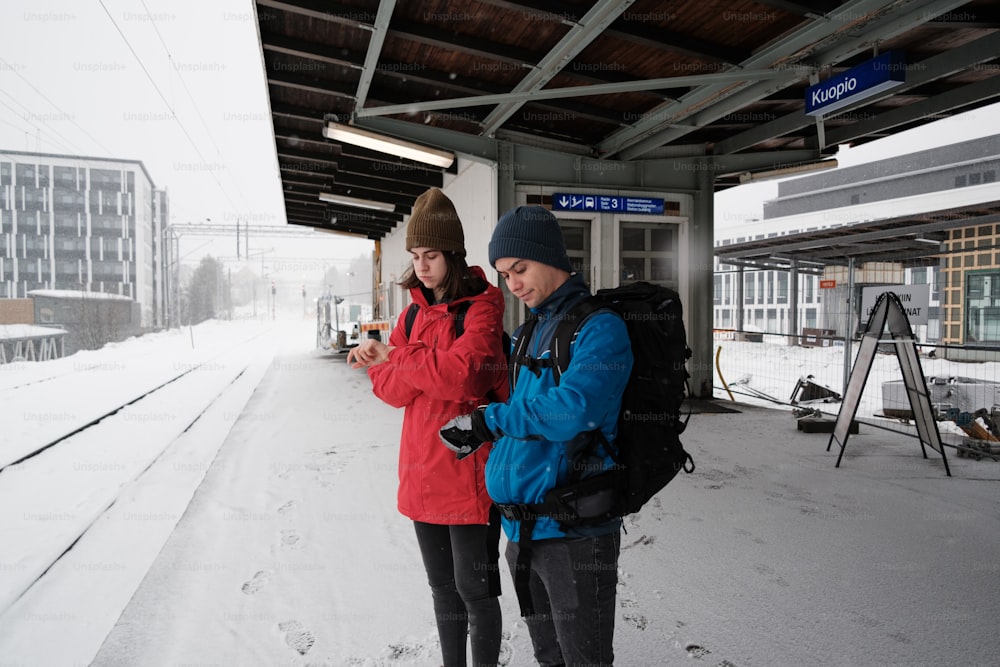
(311, 85)
(667, 40)
(474, 47)
(631, 31)
(932, 68)
(354, 17)
(580, 91)
(300, 48)
(581, 34)
(375, 43)
(713, 101)
(987, 89)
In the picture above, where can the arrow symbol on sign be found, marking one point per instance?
(564, 202)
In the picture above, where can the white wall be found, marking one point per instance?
(473, 190)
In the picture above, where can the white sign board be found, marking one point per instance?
(916, 301)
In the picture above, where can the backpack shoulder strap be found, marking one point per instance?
(562, 339)
(519, 355)
(567, 330)
(411, 315)
(458, 315)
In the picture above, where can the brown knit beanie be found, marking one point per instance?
(434, 223)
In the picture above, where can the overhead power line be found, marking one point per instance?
(166, 102)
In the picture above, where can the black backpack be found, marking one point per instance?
(648, 452)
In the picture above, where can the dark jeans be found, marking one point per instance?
(463, 570)
(573, 590)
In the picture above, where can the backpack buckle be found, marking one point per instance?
(515, 512)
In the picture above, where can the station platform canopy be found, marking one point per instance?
(912, 241)
(616, 80)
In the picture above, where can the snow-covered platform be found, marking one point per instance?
(291, 551)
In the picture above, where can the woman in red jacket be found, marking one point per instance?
(447, 361)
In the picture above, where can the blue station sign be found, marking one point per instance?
(858, 83)
(606, 203)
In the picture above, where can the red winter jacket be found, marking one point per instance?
(437, 377)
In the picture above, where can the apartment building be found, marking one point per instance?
(82, 224)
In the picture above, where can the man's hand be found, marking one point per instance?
(467, 433)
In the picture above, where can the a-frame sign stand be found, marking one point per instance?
(889, 312)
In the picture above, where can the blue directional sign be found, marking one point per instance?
(858, 83)
(574, 201)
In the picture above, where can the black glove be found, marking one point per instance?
(467, 433)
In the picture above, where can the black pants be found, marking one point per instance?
(463, 570)
(573, 584)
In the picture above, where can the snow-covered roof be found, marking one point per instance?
(77, 294)
(16, 331)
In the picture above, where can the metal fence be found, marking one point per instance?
(809, 373)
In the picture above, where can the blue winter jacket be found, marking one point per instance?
(545, 426)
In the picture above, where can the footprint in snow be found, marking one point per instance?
(636, 620)
(297, 637)
(255, 583)
(696, 651)
(506, 651)
(287, 507)
(289, 538)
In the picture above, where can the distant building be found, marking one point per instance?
(82, 224)
(957, 175)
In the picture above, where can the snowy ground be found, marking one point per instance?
(267, 535)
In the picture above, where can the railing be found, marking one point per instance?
(766, 368)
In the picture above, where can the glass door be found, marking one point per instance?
(576, 235)
(648, 251)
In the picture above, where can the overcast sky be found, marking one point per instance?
(179, 85)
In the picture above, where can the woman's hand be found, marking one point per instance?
(368, 353)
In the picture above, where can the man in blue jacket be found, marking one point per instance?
(548, 435)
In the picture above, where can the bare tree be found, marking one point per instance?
(203, 301)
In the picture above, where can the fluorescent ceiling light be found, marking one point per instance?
(355, 201)
(383, 144)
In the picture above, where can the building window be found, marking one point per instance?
(960, 181)
(782, 287)
(649, 252)
(982, 308)
(576, 235)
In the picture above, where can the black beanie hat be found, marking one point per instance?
(529, 232)
(434, 223)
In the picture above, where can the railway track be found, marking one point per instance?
(54, 489)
